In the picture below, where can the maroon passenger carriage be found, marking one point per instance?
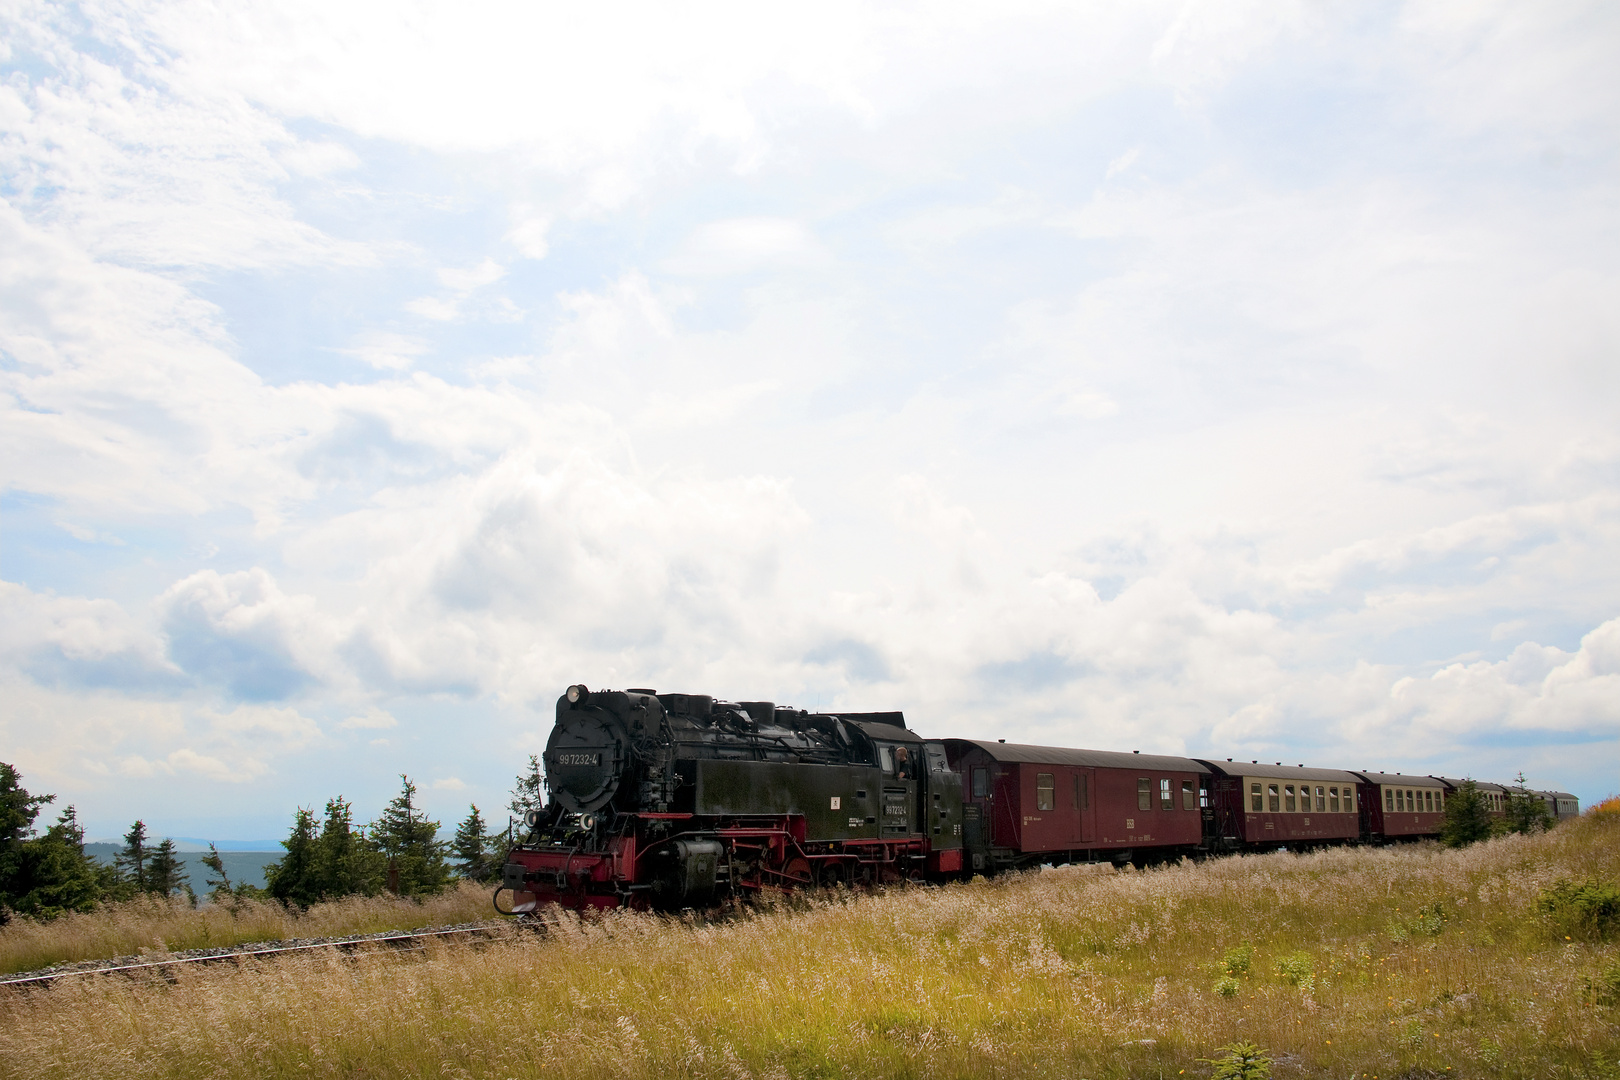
(1399, 807)
(1025, 805)
(1261, 807)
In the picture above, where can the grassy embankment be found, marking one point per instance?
(1380, 963)
(153, 926)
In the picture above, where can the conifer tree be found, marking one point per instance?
(18, 810)
(409, 841)
(43, 875)
(1525, 812)
(471, 847)
(345, 861)
(131, 861)
(292, 879)
(166, 875)
(528, 790)
(60, 877)
(1468, 816)
(219, 885)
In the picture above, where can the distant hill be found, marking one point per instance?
(191, 843)
(241, 865)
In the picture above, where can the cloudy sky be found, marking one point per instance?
(1222, 379)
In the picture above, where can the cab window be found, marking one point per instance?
(1044, 790)
(1256, 801)
(1144, 793)
(981, 783)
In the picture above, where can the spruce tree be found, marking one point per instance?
(528, 790)
(1524, 812)
(292, 879)
(471, 847)
(131, 862)
(219, 885)
(1468, 816)
(409, 841)
(59, 876)
(166, 875)
(18, 810)
(345, 862)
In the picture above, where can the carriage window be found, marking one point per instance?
(1274, 799)
(1333, 799)
(1256, 803)
(1288, 797)
(1189, 797)
(1165, 801)
(1144, 794)
(981, 783)
(1321, 799)
(1044, 789)
(1389, 799)
(1428, 802)
(1411, 802)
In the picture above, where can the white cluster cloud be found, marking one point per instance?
(1200, 378)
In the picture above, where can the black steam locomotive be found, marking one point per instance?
(667, 800)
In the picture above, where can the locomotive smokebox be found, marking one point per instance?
(587, 754)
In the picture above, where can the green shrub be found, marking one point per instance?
(1587, 909)
(1240, 1061)
(1297, 969)
(1236, 962)
(1604, 988)
(1226, 986)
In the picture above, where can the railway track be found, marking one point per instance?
(403, 940)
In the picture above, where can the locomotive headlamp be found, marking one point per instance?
(588, 821)
(576, 692)
(531, 818)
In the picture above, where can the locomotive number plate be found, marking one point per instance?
(563, 760)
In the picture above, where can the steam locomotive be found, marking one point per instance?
(668, 801)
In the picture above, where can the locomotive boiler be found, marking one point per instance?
(667, 801)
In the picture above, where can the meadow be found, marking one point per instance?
(1415, 961)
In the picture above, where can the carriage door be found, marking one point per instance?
(976, 816)
(1082, 784)
(900, 766)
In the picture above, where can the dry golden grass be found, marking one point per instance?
(1069, 973)
(151, 925)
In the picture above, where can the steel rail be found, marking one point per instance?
(399, 940)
